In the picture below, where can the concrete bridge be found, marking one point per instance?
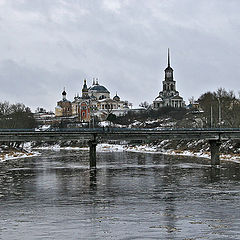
(93, 136)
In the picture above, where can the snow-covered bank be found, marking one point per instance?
(104, 147)
(16, 155)
(156, 150)
(100, 148)
(201, 154)
(57, 147)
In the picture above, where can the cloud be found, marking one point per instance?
(57, 43)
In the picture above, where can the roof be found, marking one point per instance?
(64, 100)
(168, 69)
(106, 100)
(116, 98)
(177, 97)
(99, 88)
(160, 99)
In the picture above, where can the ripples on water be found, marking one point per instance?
(130, 196)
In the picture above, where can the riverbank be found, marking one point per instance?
(145, 148)
(11, 155)
(155, 150)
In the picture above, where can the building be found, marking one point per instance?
(44, 117)
(94, 101)
(64, 106)
(169, 96)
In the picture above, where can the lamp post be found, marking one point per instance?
(211, 117)
(219, 112)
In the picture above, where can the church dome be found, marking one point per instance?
(116, 98)
(99, 89)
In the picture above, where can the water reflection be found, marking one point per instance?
(93, 179)
(214, 174)
(129, 196)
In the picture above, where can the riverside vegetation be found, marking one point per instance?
(15, 116)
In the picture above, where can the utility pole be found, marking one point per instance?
(211, 117)
(219, 112)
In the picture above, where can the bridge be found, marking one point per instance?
(96, 135)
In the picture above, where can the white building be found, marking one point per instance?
(169, 96)
(95, 101)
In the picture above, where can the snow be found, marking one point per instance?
(57, 147)
(104, 147)
(104, 123)
(17, 155)
(43, 128)
(158, 150)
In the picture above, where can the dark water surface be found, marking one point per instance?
(131, 196)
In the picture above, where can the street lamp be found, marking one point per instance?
(211, 117)
(219, 112)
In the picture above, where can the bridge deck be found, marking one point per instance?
(117, 134)
(214, 136)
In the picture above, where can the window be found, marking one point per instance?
(168, 74)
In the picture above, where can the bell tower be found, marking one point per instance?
(169, 85)
(169, 96)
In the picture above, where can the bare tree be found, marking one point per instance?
(144, 104)
(222, 106)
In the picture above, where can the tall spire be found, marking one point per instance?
(168, 58)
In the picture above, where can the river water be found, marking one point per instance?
(130, 196)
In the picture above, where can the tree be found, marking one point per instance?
(144, 104)
(191, 100)
(16, 116)
(222, 108)
(111, 117)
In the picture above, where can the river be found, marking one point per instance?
(130, 196)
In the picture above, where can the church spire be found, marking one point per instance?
(168, 70)
(168, 58)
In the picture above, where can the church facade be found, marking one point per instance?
(94, 101)
(169, 96)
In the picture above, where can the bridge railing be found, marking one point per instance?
(113, 129)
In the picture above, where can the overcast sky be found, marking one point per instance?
(46, 45)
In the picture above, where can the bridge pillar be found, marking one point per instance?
(214, 147)
(92, 154)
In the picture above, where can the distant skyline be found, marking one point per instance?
(46, 45)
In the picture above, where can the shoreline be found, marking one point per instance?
(104, 147)
(17, 155)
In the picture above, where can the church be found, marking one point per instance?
(94, 101)
(169, 96)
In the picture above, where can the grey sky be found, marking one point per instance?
(46, 45)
